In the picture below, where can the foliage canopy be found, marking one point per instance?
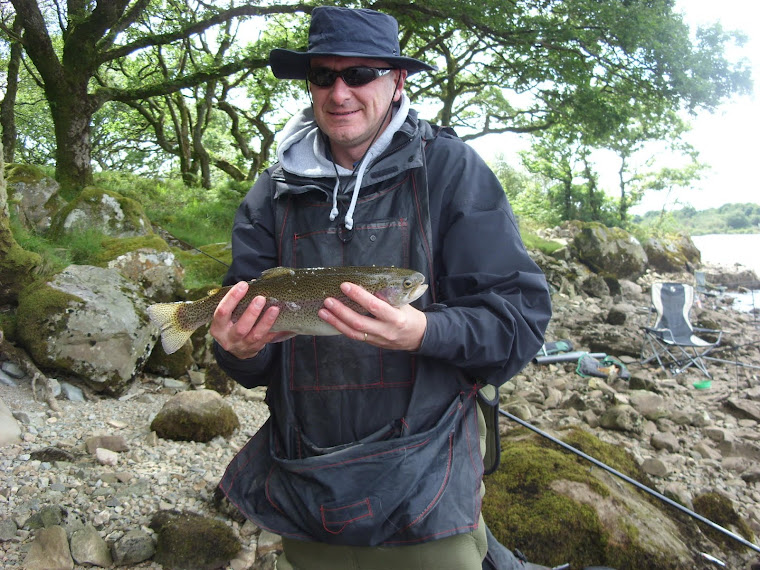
(158, 86)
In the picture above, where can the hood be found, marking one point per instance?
(302, 151)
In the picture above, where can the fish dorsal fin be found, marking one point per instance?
(212, 292)
(277, 272)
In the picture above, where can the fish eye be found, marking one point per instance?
(408, 283)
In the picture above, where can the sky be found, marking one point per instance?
(728, 140)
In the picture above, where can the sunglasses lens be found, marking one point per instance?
(322, 77)
(352, 76)
(358, 76)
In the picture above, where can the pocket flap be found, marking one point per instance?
(335, 519)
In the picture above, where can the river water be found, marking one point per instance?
(728, 250)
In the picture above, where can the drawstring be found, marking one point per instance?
(348, 221)
(334, 212)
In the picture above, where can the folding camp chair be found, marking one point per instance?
(672, 340)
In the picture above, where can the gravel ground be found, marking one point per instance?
(152, 474)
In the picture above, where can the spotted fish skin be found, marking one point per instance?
(299, 294)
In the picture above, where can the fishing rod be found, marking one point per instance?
(191, 246)
(633, 482)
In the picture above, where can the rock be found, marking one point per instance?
(106, 457)
(199, 415)
(671, 256)
(752, 475)
(108, 212)
(48, 516)
(36, 197)
(12, 370)
(8, 530)
(134, 547)
(157, 272)
(187, 541)
(666, 441)
(610, 251)
(7, 380)
(651, 406)
(618, 314)
(115, 443)
(595, 286)
(655, 467)
(622, 418)
(88, 322)
(87, 547)
(49, 551)
(744, 408)
(51, 454)
(71, 392)
(268, 542)
(217, 379)
(10, 431)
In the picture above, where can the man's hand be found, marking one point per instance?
(245, 337)
(394, 328)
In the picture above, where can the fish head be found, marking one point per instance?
(402, 288)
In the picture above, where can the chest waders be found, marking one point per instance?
(363, 446)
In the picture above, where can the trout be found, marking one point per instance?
(299, 293)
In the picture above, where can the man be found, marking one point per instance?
(372, 456)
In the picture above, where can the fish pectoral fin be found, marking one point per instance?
(277, 272)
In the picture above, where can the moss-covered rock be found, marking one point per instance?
(556, 509)
(102, 210)
(113, 247)
(16, 264)
(610, 251)
(87, 322)
(671, 254)
(172, 365)
(218, 380)
(35, 197)
(199, 415)
(188, 541)
(719, 509)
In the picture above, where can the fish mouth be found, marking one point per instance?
(418, 292)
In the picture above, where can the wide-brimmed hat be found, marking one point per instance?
(346, 32)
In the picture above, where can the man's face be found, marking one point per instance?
(350, 116)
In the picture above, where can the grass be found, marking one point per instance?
(197, 216)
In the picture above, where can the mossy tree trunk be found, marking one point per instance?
(16, 264)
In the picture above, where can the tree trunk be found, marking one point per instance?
(8, 105)
(623, 207)
(72, 115)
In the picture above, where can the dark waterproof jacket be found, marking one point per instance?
(366, 446)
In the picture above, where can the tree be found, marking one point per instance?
(8, 104)
(104, 33)
(521, 66)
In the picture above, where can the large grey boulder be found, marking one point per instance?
(672, 255)
(90, 323)
(610, 251)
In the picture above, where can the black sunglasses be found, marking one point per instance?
(352, 76)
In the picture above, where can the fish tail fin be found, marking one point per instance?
(165, 317)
